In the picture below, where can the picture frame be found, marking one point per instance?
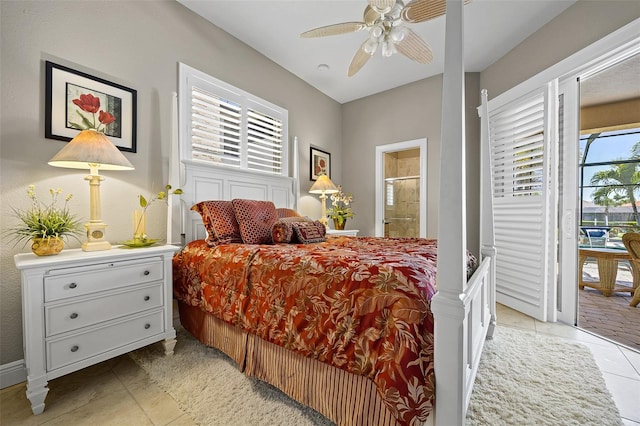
(107, 106)
(320, 163)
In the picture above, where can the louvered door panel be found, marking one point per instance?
(519, 154)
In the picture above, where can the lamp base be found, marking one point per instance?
(95, 237)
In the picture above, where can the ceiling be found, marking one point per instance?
(492, 28)
(619, 82)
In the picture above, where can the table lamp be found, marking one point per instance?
(323, 186)
(92, 150)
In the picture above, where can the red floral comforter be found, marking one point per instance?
(360, 304)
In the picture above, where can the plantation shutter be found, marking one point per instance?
(229, 127)
(215, 128)
(522, 155)
(264, 137)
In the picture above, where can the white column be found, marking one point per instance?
(487, 238)
(449, 311)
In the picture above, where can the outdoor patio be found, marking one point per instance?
(610, 317)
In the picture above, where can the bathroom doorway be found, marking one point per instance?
(401, 189)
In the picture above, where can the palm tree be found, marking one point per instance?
(606, 196)
(622, 180)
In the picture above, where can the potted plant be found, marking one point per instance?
(340, 209)
(46, 224)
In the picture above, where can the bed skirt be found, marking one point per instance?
(346, 399)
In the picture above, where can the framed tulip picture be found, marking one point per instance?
(77, 101)
(320, 163)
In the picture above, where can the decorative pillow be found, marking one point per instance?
(309, 232)
(220, 222)
(255, 219)
(284, 212)
(282, 230)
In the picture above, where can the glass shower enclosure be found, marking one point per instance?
(402, 193)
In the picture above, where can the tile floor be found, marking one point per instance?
(118, 392)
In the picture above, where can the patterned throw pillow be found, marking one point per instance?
(309, 232)
(285, 212)
(219, 220)
(255, 219)
(282, 230)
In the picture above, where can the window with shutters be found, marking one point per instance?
(227, 126)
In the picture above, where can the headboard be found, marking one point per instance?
(211, 182)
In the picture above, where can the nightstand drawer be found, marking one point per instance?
(72, 282)
(94, 341)
(60, 318)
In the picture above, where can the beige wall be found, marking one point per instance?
(406, 113)
(137, 44)
(582, 24)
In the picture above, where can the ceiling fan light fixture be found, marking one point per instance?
(371, 46)
(384, 20)
(398, 33)
(377, 31)
(388, 48)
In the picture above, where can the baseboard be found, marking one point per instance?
(12, 373)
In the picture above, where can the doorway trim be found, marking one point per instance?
(381, 150)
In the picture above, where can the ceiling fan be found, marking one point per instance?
(385, 19)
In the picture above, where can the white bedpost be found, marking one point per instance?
(487, 239)
(448, 308)
(296, 172)
(174, 218)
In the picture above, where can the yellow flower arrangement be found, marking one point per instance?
(340, 209)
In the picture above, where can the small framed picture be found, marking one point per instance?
(77, 101)
(320, 163)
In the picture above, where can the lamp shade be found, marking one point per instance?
(91, 148)
(323, 185)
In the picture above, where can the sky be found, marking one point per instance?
(615, 147)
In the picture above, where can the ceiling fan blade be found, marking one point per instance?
(415, 48)
(335, 29)
(370, 16)
(424, 10)
(359, 59)
(382, 6)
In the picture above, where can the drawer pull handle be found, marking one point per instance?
(147, 272)
(73, 315)
(146, 298)
(75, 348)
(147, 326)
(73, 285)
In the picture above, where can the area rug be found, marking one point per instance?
(523, 379)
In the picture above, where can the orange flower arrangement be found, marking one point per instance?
(91, 104)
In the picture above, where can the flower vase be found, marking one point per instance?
(339, 226)
(139, 225)
(47, 246)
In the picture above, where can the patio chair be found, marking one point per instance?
(631, 241)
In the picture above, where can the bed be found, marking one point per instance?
(357, 304)
(270, 307)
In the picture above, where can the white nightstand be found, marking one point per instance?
(80, 308)
(345, 232)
